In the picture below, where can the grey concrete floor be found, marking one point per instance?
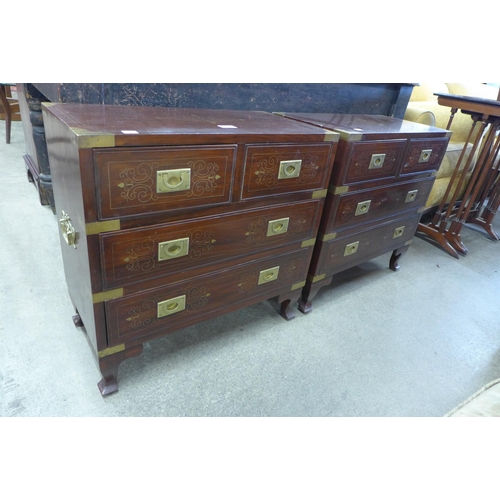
(412, 343)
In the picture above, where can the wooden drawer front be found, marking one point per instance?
(371, 160)
(273, 170)
(424, 154)
(140, 181)
(138, 254)
(137, 315)
(365, 206)
(354, 249)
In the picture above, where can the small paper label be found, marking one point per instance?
(129, 132)
(227, 126)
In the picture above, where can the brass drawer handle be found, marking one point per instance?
(425, 155)
(398, 232)
(173, 249)
(351, 248)
(289, 169)
(67, 229)
(377, 161)
(172, 181)
(171, 306)
(363, 207)
(268, 275)
(279, 226)
(411, 196)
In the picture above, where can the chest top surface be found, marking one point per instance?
(141, 125)
(368, 127)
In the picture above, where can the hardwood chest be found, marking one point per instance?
(169, 216)
(383, 172)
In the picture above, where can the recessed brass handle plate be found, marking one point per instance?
(377, 161)
(67, 229)
(351, 248)
(411, 196)
(425, 155)
(398, 232)
(278, 226)
(171, 306)
(289, 169)
(173, 249)
(268, 275)
(172, 181)
(363, 207)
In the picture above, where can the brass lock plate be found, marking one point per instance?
(377, 161)
(425, 155)
(278, 226)
(174, 180)
(171, 306)
(351, 248)
(173, 249)
(398, 232)
(363, 207)
(411, 195)
(289, 169)
(268, 275)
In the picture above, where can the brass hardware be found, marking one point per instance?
(411, 196)
(351, 248)
(268, 275)
(68, 230)
(88, 140)
(108, 295)
(338, 189)
(171, 306)
(425, 155)
(314, 279)
(278, 226)
(327, 237)
(298, 285)
(377, 161)
(102, 227)
(308, 243)
(173, 249)
(331, 136)
(172, 181)
(363, 207)
(398, 232)
(111, 350)
(289, 169)
(319, 194)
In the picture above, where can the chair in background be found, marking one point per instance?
(9, 108)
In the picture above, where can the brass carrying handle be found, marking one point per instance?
(173, 249)
(171, 306)
(173, 180)
(67, 229)
(289, 169)
(278, 226)
(267, 275)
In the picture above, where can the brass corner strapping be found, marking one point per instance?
(111, 350)
(102, 227)
(107, 295)
(302, 284)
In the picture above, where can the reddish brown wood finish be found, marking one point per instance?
(105, 162)
(382, 177)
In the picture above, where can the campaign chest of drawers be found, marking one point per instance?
(383, 172)
(169, 216)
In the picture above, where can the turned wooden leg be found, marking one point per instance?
(309, 292)
(287, 301)
(396, 255)
(109, 368)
